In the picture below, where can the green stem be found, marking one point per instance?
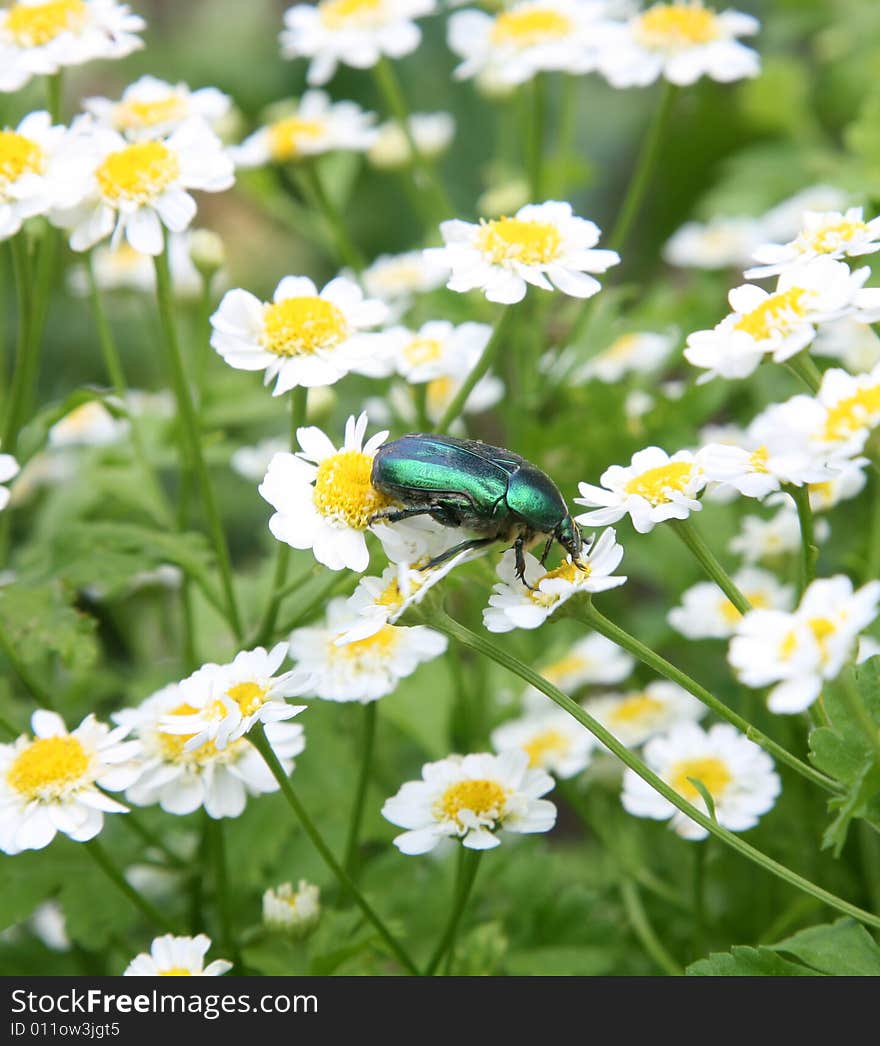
(479, 369)
(565, 134)
(852, 698)
(695, 542)
(54, 90)
(809, 549)
(309, 181)
(466, 874)
(443, 623)
(357, 811)
(420, 400)
(15, 401)
(222, 896)
(701, 848)
(34, 687)
(803, 366)
(191, 437)
(307, 611)
(872, 556)
(103, 861)
(535, 139)
(259, 740)
(644, 931)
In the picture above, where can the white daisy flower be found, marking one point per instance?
(844, 485)
(134, 189)
(850, 410)
(680, 41)
(719, 243)
(438, 349)
(310, 127)
(761, 539)
(473, 798)
(653, 488)
(123, 268)
(181, 780)
(323, 497)
(637, 715)
(432, 133)
(153, 108)
(56, 781)
(171, 956)
(799, 650)
(855, 344)
(9, 469)
(526, 38)
(48, 923)
(830, 234)
(398, 278)
(706, 613)
(88, 425)
(295, 912)
(253, 462)
(544, 244)
(784, 221)
(302, 337)
(780, 323)
(39, 37)
(516, 605)
(354, 32)
(629, 354)
(552, 739)
(592, 659)
(334, 667)
(738, 775)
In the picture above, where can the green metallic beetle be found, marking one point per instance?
(486, 489)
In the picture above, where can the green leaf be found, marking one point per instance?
(560, 962)
(742, 961)
(38, 620)
(843, 949)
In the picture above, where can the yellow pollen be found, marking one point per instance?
(711, 771)
(758, 460)
(529, 27)
(343, 491)
(484, 798)
(288, 136)
(48, 767)
(82, 418)
(731, 615)
(131, 116)
(302, 326)
(654, 484)
(139, 172)
(778, 313)
(563, 668)
(175, 971)
(852, 414)
(545, 745)
(676, 27)
(823, 629)
(18, 156)
(567, 571)
(622, 348)
(346, 14)
(789, 646)
(516, 240)
(422, 350)
(829, 238)
(439, 393)
(391, 596)
(32, 25)
(823, 493)
(636, 707)
(382, 642)
(172, 745)
(248, 696)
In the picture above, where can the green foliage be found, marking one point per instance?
(39, 620)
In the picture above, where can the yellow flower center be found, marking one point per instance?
(18, 156)
(711, 771)
(655, 484)
(829, 238)
(788, 646)
(48, 767)
(175, 971)
(172, 746)
(545, 745)
(303, 326)
(484, 798)
(390, 596)
(32, 25)
(530, 27)
(516, 240)
(675, 27)
(622, 348)
(566, 570)
(139, 172)
(823, 629)
(83, 418)
(134, 115)
(758, 460)
(346, 14)
(438, 395)
(248, 696)
(731, 615)
(852, 414)
(422, 350)
(779, 313)
(343, 491)
(288, 136)
(382, 643)
(635, 708)
(563, 668)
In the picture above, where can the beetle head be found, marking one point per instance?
(568, 535)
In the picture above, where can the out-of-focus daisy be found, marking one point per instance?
(55, 781)
(593, 659)
(123, 268)
(39, 37)
(253, 462)
(798, 650)
(851, 406)
(9, 469)
(331, 666)
(153, 108)
(441, 391)
(432, 133)
(738, 775)
(544, 244)
(845, 485)
(706, 613)
(526, 38)
(681, 42)
(310, 127)
(171, 956)
(829, 234)
(516, 605)
(473, 798)
(653, 488)
(49, 924)
(784, 221)
(323, 497)
(398, 278)
(302, 337)
(504, 197)
(89, 425)
(295, 912)
(355, 32)
(629, 354)
(855, 344)
(762, 539)
(134, 189)
(635, 716)
(181, 779)
(719, 243)
(552, 739)
(780, 323)
(438, 349)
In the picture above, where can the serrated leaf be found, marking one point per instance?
(844, 949)
(38, 620)
(742, 961)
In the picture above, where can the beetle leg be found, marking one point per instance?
(547, 548)
(521, 562)
(450, 552)
(396, 515)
